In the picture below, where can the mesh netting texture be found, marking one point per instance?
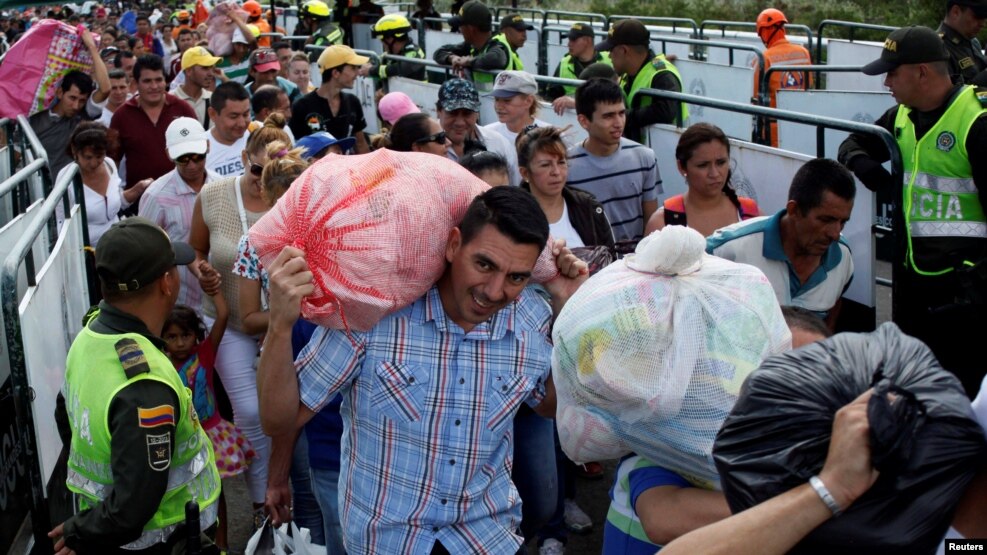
(373, 229)
(651, 352)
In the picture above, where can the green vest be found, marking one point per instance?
(328, 35)
(643, 81)
(410, 50)
(93, 377)
(940, 198)
(567, 68)
(513, 60)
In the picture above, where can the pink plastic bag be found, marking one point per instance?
(220, 28)
(35, 65)
(374, 229)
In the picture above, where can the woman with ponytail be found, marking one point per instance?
(414, 133)
(703, 158)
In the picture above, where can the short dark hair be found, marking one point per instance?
(805, 319)
(117, 74)
(596, 91)
(142, 16)
(118, 59)
(265, 97)
(185, 31)
(406, 131)
(815, 177)
(280, 44)
(150, 62)
(482, 161)
(513, 211)
(226, 92)
(187, 320)
(76, 79)
(88, 134)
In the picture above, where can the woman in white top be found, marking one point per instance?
(573, 214)
(516, 104)
(298, 72)
(105, 196)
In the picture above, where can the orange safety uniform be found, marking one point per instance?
(782, 52)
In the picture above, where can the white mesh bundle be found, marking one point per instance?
(651, 352)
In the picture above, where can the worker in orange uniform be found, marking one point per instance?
(778, 51)
(255, 16)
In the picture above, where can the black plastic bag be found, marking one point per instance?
(925, 442)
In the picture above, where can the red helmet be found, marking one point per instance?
(770, 18)
(253, 8)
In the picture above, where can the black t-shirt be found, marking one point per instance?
(311, 113)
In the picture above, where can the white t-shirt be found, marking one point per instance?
(225, 160)
(511, 137)
(563, 229)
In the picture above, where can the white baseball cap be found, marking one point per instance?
(186, 136)
(513, 83)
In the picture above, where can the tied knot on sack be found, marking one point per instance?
(675, 250)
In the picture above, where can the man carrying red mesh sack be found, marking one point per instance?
(429, 392)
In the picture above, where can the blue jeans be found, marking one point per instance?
(327, 494)
(535, 474)
(305, 508)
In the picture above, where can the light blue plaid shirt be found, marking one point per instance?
(428, 424)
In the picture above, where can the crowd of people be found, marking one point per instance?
(433, 431)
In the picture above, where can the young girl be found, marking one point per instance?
(194, 354)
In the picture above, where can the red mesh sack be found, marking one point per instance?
(374, 229)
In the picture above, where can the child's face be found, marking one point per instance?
(178, 342)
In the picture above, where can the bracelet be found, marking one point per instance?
(824, 494)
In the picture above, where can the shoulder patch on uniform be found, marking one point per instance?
(658, 62)
(158, 452)
(162, 415)
(132, 358)
(981, 95)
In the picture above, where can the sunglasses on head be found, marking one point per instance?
(186, 158)
(439, 138)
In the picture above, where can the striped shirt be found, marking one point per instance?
(428, 423)
(169, 202)
(621, 182)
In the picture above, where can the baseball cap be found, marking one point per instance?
(264, 59)
(317, 142)
(581, 30)
(473, 13)
(515, 21)
(198, 56)
(513, 83)
(337, 55)
(627, 31)
(396, 104)
(186, 136)
(979, 7)
(908, 45)
(459, 94)
(134, 253)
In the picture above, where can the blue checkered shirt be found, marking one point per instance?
(428, 424)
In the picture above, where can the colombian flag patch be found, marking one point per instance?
(158, 416)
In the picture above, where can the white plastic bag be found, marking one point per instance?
(650, 353)
(288, 539)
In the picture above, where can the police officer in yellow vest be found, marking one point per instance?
(629, 44)
(940, 278)
(581, 55)
(138, 453)
(513, 34)
(478, 51)
(393, 31)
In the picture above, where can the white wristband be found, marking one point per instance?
(824, 494)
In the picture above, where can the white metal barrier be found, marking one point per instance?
(842, 52)
(424, 95)
(363, 39)
(722, 82)
(764, 174)
(864, 107)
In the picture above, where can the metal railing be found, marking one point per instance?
(723, 25)
(814, 68)
(674, 22)
(852, 27)
(577, 16)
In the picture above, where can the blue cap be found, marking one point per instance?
(317, 142)
(458, 94)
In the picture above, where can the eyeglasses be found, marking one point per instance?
(255, 169)
(185, 159)
(439, 138)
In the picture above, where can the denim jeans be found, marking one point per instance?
(535, 473)
(326, 487)
(305, 508)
